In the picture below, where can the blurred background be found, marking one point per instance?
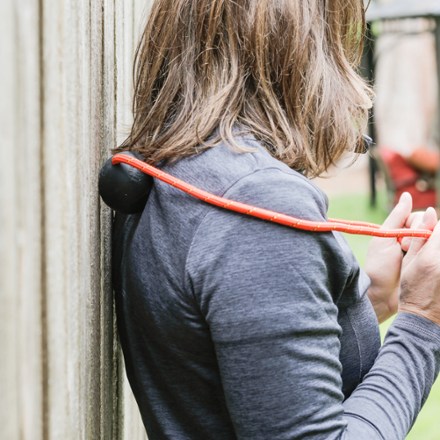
(65, 88)
(402, 59)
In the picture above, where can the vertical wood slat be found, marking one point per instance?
(127, 31)
(8, 218)
(76, 326)
(62, 372)
(59, 195)
(109, 365)
(30, 237)
(20, 216)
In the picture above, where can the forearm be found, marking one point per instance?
(392, 394)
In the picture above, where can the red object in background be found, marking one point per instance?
(402, 177)
(425, 160)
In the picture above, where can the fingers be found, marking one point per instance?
(429, 221)
(434, 241)
(399, 215)
(433, 218)
(420, 220)
(414, 220)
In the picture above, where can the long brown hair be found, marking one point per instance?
(281, 70)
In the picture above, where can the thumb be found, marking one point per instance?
(398, 216)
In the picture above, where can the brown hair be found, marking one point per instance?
(281, 70)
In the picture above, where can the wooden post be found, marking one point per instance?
(21, 259)
(67, 86)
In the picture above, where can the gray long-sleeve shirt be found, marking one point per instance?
(236, 328)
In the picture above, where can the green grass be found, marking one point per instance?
(356, 207)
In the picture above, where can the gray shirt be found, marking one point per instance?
(237, 328)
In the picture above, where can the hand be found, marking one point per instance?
(384, 261)
(416, 221)
(420, 285)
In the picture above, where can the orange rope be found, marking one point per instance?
(350, 227)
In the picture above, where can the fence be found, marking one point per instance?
(65, 87)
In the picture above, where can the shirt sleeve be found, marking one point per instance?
(268, 294)
(393, 393)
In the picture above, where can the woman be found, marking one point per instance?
(233, 327)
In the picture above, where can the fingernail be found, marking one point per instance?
(405, 195)
(427, 214)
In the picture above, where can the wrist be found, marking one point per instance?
(415, 310)
(384, 306)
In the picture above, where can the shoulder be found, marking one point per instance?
(280, 189)
(252, 177)
(271, 188)
(256, 179)
(242, 253)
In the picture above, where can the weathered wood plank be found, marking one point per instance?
(21, 398)
(60, 112)
(30, 245)
(9, 404)
(110, 418)
(60, 252)
(127, 32)
(73, 91)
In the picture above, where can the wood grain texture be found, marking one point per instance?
(130, 17)
(21, 394)
(9, 420)
(66, 101)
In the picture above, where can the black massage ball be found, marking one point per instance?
(124, 188)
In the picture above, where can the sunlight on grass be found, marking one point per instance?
(356, 207)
